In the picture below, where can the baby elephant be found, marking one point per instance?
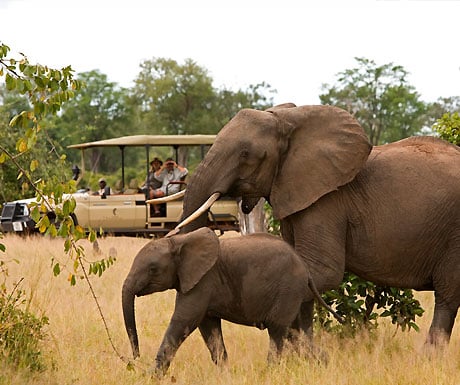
(255, 280)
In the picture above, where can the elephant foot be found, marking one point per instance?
(159, 371)
(302, 346)
(437, 338)
(154, 373)
(433, 348)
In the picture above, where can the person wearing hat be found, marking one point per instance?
(104, 190)
(169, 172)
(151, 183)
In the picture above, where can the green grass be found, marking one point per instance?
(77, 351)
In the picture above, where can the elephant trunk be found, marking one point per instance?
(129, 317)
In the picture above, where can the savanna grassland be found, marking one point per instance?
(77, 350)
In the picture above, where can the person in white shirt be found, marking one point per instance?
(170, 171)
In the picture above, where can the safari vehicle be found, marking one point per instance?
(128, 211)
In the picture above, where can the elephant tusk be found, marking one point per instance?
(201, 210)
(167, 198)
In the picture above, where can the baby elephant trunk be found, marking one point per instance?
(130, 318)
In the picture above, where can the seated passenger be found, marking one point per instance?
(104, 190)
(151, 183)
(169, 172)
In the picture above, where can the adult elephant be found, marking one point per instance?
(390, 215)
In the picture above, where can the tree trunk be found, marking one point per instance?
(254, 222)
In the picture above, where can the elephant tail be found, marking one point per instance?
(312, 286)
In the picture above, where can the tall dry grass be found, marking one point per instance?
(78, 352)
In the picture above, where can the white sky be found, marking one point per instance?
(293, 45)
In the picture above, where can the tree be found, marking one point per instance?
(180, 99)
(380, 98)
(449, 104)
(228, 103)
(173, 98)
(98, 111)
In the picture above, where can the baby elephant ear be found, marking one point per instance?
(196, 253)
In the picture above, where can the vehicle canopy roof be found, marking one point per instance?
(146, 141)
(149, 140)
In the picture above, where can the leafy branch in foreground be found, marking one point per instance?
(46, 89)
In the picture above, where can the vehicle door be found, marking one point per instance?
(116, 211)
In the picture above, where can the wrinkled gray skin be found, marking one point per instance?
(255, 280)
(390, 215)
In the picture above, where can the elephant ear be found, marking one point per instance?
(196, 253)
(326, 149)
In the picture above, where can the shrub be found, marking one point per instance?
(361, 303)
(21, 332)
(448, 127)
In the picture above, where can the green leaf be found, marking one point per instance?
(73, 280)
(92, 236)
(67, 245)
(39, 108)
(35, 214)
(66, 208)
(40, 81)
(10, 82)
(56, 269)
(16, 121)
(4, 50)
(52, 231)
(33, 165)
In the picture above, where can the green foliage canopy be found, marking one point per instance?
(448, 127)
(380, 98)
(173, 98)
(98, 111)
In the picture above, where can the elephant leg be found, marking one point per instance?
(304, 320)
(300, 333)
(211, 330)
(277, 336)
(443, 322)
(176, 333)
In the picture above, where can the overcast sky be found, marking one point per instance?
(293, 45)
